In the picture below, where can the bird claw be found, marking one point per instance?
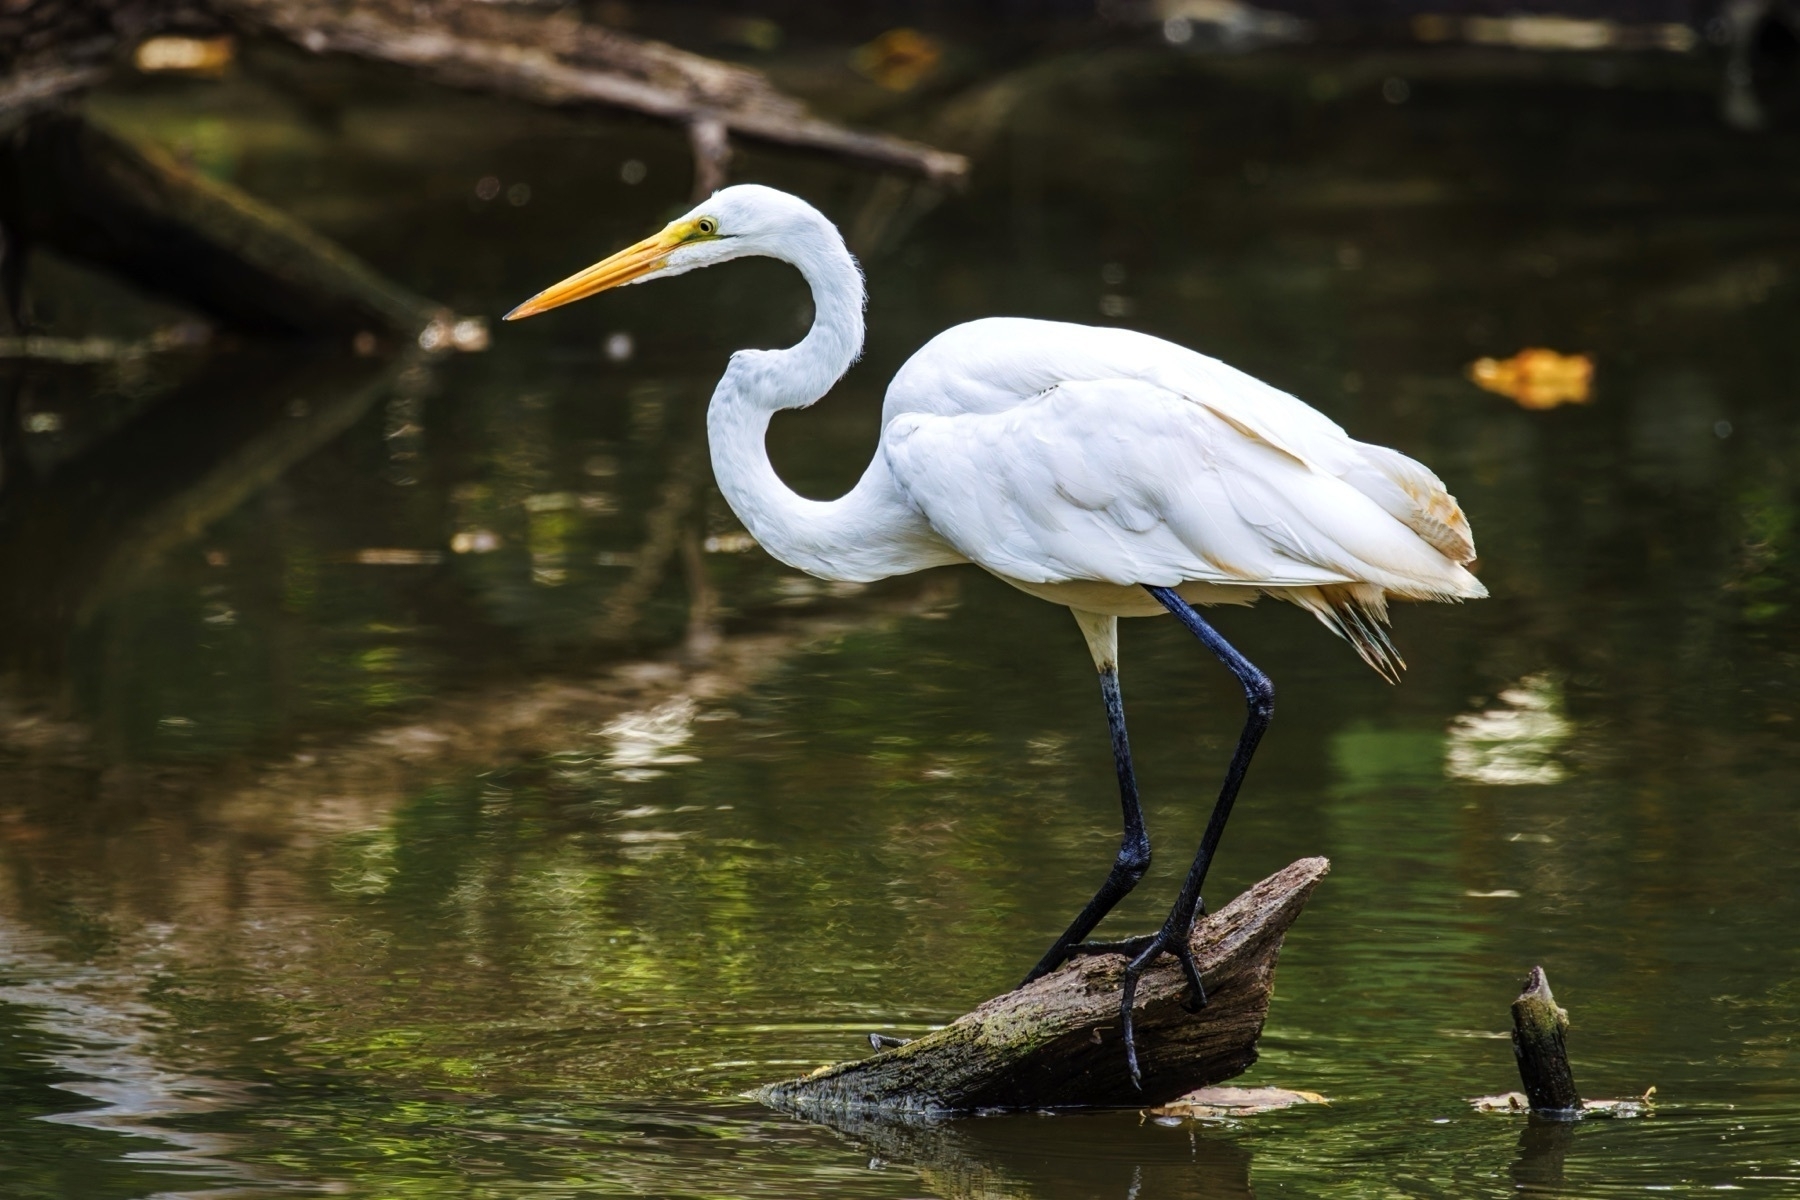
(1139, 953)
(1144, 951)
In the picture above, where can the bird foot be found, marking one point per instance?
(1141, 952)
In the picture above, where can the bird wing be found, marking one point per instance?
(994, 365)
(1123, 481)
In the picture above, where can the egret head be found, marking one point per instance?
(735, 222)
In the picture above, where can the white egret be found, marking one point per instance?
(1105, 470)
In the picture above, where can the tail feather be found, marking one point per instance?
(1358, 614)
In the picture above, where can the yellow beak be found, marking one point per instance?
(633, 262)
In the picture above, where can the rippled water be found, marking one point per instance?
(410, 785)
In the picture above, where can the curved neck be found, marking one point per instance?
(867, 534)
(804, 372)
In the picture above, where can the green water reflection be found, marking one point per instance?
(409, 785)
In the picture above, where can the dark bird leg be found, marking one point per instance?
(1134, 847)
(1172, 938)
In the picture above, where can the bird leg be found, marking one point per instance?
(1134, 847)
(1173, 937)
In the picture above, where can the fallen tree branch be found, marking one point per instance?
(553, 60)
(548, 58)
(67, 184)
(1055, 1043)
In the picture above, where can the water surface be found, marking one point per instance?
(411, 783)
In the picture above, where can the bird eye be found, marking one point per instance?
(707, 226)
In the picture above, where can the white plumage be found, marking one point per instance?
(1109, 471)
(1077, 463)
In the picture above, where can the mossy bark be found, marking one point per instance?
(1055, 1043)
(1540, 1037)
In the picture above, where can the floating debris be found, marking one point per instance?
(1504, 1102)
(1234, 1102)
(897, 60)
(1516, 1102)
(1536, 378)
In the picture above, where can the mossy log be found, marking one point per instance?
(1055, 1043)
(67, 184)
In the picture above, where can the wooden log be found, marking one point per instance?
(1539, 1039)
(1055, 1043)
(70, 185)
(550, 59)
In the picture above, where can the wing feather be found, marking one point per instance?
(1002, 363)
(1126, 482)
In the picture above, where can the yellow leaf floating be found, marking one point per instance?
(898, 59)
(1535, 378)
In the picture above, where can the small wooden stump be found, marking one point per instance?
(1540, 1043)
(1055, 1043)
(1539, 1040)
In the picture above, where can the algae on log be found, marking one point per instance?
(1540, 1042)
(1055, 1043)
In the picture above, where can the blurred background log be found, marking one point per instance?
(71, 186)
(51, 48)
